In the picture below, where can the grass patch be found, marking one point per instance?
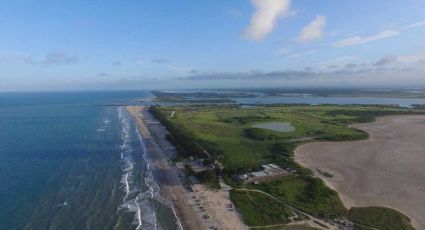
(227, 133)
(308, 194)
(380, 218)
(299, 227)
(258, 209)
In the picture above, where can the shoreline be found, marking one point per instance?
(335, 159)
(171, 185)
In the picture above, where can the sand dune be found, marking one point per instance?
(386, 170)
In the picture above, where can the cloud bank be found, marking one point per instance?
(388, 65)
(415, 25)
(264, 19)
(314, 30)
(357, 40)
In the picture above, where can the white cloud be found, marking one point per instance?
(314, 30)
(386, 61)
(415, 25)
(417, 58)
(353, 41)
(264, 19)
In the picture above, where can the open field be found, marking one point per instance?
(380, 218)
(260, 210)
(227, 131)
(385, 170)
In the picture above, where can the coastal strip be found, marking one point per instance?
(172, 187)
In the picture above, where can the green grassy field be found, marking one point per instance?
(306, 193)
(258, 209)
(380, 218)
(226, 127)
(226, 133)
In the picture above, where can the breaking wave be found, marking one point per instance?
(141, 191)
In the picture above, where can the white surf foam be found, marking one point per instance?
(135, 200)
(127, 186)
(138, 198)
(101, 130)
(153, 187)
(139, 213)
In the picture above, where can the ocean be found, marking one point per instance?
(75, 160)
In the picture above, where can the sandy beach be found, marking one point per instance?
(199, 209)
(171, 184)
(220, 209)
(385, 170)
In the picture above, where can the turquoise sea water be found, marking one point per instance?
(68, 162)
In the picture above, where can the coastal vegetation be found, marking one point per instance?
(307, 194)
(379, 218)
(258, 209)
(210, 178)
(225, 133)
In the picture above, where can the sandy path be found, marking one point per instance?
(172, 187)
(386, 170)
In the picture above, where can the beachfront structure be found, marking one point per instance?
(198, 165)
(270, 172)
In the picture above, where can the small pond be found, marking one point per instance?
(284, 127)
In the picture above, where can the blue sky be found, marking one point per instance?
(81, 44)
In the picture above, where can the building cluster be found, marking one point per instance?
(269, 172)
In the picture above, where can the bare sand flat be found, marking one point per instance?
(386, 170)
(216, 202)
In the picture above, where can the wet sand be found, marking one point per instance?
(172, 187)
(386, 170)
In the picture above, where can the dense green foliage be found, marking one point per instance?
(189, 170)
(258, 209)
(380, 218)
(259, 134)
(209, 178)
(309, 194)
(182, 138)
(298, 227)
(362, 116)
